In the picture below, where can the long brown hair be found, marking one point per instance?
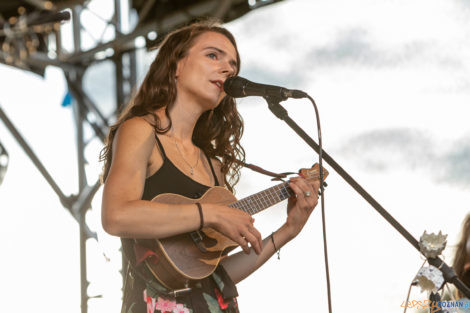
(217, 133)
(462, 255)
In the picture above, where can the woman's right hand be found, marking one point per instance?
(233, 223)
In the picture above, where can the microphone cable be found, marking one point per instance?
(322, 200)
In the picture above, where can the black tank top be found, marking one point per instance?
(169, 179)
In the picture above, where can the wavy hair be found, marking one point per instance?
(462, 255)
(217, 133)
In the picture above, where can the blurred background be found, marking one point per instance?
(391, 79)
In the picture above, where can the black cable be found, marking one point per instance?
(322, 200)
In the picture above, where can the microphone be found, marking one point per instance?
(239, 87)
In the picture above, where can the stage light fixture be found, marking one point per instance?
(25, 30)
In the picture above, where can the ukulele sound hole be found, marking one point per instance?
(202, 241)
(208, 241)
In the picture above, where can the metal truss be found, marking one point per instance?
(30, 45)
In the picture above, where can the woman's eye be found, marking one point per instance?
(212, 56)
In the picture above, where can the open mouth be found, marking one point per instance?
(219, 84)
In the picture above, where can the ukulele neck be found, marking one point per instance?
(263, 199)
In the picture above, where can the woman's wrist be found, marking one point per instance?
(284, 234)
(201, 216)
(208, 214)
(288, 231)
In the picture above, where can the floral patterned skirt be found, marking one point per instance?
(143, 293)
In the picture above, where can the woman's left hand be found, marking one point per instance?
(301, 205)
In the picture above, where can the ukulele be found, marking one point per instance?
(182, 259)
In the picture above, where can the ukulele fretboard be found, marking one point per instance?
(263, 199)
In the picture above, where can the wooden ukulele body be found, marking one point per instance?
(179, 259)
(185, 258)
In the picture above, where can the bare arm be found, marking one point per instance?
(241, 265)
(123, 213)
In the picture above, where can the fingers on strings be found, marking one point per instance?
(305, 193)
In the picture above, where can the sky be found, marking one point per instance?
(392, 83)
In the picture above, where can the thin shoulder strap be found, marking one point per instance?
(212, 170)
(160, 146)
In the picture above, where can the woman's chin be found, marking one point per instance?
(211, 103)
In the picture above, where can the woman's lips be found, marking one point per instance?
(219, 84)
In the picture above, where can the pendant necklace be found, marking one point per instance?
(191, 168)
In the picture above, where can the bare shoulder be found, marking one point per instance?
(136, 135)
(136, 125)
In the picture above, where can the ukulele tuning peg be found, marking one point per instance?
(325, 184)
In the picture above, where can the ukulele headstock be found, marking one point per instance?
(313, 173)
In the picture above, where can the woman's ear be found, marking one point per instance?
(179, 67)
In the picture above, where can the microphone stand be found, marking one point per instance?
(449, 275)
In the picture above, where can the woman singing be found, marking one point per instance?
(181, 135)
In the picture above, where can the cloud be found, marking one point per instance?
(354, 46)
(464, 5)
(350, 45)
(404, 148)
(287, 78)
(381, 150)
(458, 163)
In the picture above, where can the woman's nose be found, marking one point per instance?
(227, 69)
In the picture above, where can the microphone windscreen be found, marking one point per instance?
(235, 86)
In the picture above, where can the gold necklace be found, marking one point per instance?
(191, 168)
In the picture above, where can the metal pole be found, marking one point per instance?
(82, 183)
(118, 57)
(27, 149)
(78, 111)
(118, 66)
